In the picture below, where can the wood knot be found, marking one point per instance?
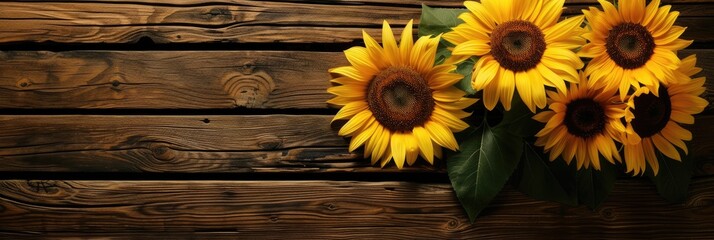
(607, 213)
(248, 90)
(219, 13)
(452, 224)
(163, 153)
(274, 218)
(271, 143)
(46, 186)
(23, 83)
(331, 206)
(116, 82)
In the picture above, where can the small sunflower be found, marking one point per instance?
(521, 46)
(632, 45)
(653, 119)
(581, 123)
(399, 104)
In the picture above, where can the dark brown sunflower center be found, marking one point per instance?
(400, 99)
(585, 118)
(630, 45)
(651, 113)
(517, 45)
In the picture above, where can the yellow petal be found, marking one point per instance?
(355, 123)
(362, 137)
(350, 110)
(472, 48)
(407, 41)
(398, 149)
(441, 135)
(506, 88)
(391, 51)
(412, 148)
(424, 141)
(665, 147)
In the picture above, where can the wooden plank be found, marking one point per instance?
(231, 21)
(208, 144)
(337, 209)
(166, 79)
(183, 79)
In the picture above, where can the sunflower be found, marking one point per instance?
(521, 46)
(632, 45)
(399, 104)
(653, 119)
(581, 123)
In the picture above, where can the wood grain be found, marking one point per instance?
(337, 209)
(208, 144)
(183, 79)
(237, 21)
(166, 79)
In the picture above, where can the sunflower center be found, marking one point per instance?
(585, 118)
(400, 99)
(651, 113)
(517, 45)
(630, 45)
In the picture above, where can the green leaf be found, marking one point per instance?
(543, 182)
(673, 178)
(435, 21)
(465, 69)
(488, 157)
(519, 120)
(594, 185)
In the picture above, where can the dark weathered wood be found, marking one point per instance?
(229, 21)
(166, 79)
(183, 79)
(197, 144)
(206, 144)
(336, 209)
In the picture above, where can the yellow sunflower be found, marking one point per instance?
(653, 119)
(631, 45)
(521, 46)
(399, 104)
(581, 123)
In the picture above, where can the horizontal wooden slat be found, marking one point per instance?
(182, 79)
(336, 209)
(207, 144)
(233, 21)
(166, 79)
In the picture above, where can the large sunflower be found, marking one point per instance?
(521, 46)
(653, 120)
(399, 104)
(581, 123)
(632, 45)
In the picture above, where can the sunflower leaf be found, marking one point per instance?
(541, 181)
(435, 21)
(519, 120)
(487, 159)
(465, 69)
(595, 185)
(673, 178)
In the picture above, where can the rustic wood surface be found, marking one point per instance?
(221, 130)
(184, 79)
(238, 21)
(203, 144)
(337, 209)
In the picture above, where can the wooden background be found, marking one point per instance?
(144, 118)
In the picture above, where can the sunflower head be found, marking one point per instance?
(582, 123)
(521, 47)
(632, 45)
(398, 103)
(653, 118)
